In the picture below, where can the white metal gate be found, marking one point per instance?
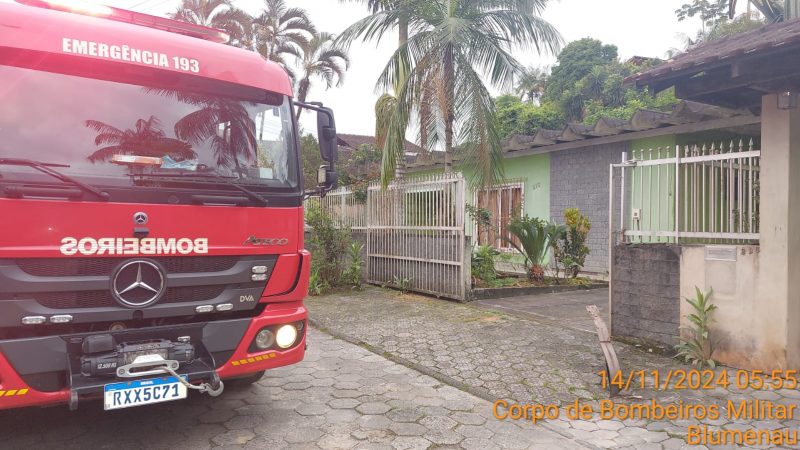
(414, 232)
(705, 194)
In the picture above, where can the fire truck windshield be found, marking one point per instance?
(115, 134)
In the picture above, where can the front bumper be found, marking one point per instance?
(46, 378)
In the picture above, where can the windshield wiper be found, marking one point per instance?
(46, 168)
(216, 177)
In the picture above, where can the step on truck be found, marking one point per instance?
(151, 208)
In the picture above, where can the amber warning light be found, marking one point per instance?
(123, 15)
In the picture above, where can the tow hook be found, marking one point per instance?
(214, 388)
(155, 364)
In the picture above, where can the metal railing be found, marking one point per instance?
(347, 207)
(690, 194)
(414, 232)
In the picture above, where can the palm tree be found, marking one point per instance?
(401, 10)
(145, 139)
(531, 84)
(454, 46)
(219, 14)
(280, 32)
(321, 59)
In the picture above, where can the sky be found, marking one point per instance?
(636, 27)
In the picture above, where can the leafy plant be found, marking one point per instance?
(481, 216)
(534, 236)
(403, 284)
(327, 243)
(315, 284)
(352, 276)
(483, 264)
(570, 250)
(696, 348)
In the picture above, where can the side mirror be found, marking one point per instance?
(327, 178)
(326, 133)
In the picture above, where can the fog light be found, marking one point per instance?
(259, 269)
(286, 336)
(265, 339)
(258, 277)
(33, 320)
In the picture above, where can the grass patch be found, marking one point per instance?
(518, 282)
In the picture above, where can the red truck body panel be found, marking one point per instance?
(63, 229)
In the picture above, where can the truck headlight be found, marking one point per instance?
(264, 339)
(286, 336)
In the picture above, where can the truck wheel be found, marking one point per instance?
(245, 380)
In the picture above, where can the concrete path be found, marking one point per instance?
(566, 308)
(527, 360)
(341, 397)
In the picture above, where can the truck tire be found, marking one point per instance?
(245, 380)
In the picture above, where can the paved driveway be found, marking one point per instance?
(341, 397)
(523, 358)
(566, 308)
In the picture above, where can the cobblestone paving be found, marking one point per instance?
(341, 397)
(498, 356)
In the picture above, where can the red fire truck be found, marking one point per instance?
(151, 220)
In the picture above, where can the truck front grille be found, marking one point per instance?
(103, 299)
(71, 267)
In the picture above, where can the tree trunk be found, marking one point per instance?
(302, 94)
(403, 25)
(449, 83)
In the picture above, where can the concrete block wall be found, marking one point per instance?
(579, 179)
(646, 293)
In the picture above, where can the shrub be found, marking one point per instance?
(483, 263)
(327, 244)
(570, 250)
(696, 348)
(352, 276)
(535, 237)
(315, 285)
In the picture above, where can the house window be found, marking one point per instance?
(503, 202)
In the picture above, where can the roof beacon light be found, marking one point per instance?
(123, 15)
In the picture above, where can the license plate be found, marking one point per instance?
(143, 392)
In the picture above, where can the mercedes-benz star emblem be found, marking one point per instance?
(140, 218)
(138, 283)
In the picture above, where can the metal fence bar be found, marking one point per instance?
(713, 197)
(414, 232)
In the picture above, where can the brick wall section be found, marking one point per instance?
(579, 179)
(645, 297)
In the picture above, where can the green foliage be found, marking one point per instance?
(575, 62)
(481, 216)
(710, 12)
(315, 284)
(352, 276)
(730, 27)
(440, 73)
(696, 348)
(517, 117)
(532, 83)
(310, 159)
(483, 269)
(535, 237)
(327, 243)
(570, 250)
(586, 84)
(403, 284)
(594, 110)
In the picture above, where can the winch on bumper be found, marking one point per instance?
(222, 349)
